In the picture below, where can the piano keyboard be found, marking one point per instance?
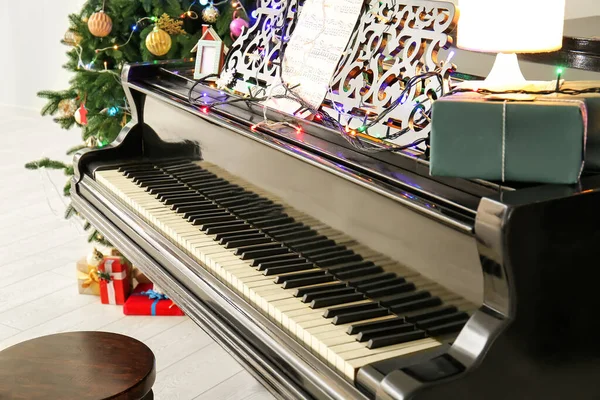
(344, 302)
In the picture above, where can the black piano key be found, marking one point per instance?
(442, 320)
(362, 315)
(350, 266)
(254, 254)
(390, 290)
(380, 284)
(255, 212)
(162, 194)
(368, 279)
(166, 186)
(431, 314)
(208, 212)
(359, 272)
(296, 283)
(287, 236)
(251, 203)
(239, 200)
(306, 239)
(227, 228)
(300, 292)
(451, 327)
(224, 238)
(270, 222)
(212, 222)
(216, 217)
(169, 201)
(313, 245)
(334, 253)
(276, 261)
(251, 215)
(206, 183)
(220, 195)
(305, 266)
(308, 297)
(299, 275)
(277, 228)
(138, 166)
(420, 304)
(330, 262)
(367, 335)
(191, 205)
(332, 312)
(357, 328)
(336, 300)
(190, 215)
(327, 251)
(147, 181)
(236, 244)
(394, 299)
(398, 338)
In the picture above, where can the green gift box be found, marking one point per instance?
(547, 140)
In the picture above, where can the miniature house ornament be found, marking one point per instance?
(209, 53)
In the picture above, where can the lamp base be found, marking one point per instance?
(506, 75)
(506, 72)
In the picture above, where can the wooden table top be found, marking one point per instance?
(77, 365)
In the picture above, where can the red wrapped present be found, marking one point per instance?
(114, 281)
(145, 301)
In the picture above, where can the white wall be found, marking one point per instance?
(32, 56)
(574, 8)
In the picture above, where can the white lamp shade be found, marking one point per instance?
(511, 26)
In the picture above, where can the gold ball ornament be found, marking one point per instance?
(94, 258)
(100, 24)
(72, 38)
(158, 42)
(210, 14)
(67, 108)
(91, 142)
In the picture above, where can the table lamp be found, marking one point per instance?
(508, 27)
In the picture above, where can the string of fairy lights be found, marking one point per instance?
(257, 95)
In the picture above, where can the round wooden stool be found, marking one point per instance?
(78, 366)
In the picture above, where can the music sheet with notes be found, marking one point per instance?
(315, 48)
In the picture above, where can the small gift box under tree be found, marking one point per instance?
(115, 283)
(88, 281)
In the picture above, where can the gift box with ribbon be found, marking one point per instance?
(114, 280)
(88, 281)
(542, 139)
(146, 301)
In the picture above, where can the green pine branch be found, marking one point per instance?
(46, 163)
(100, 91)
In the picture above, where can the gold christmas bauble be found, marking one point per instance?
(72, 38)
(100, 24)
(158, 42)
(210, 14)
(91, 142)
(67, 108)
(94, 258)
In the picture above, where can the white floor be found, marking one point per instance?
(38, 292)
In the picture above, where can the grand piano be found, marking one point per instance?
(334, 273)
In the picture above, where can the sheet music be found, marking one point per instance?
(315, 48)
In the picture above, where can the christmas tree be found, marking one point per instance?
(103, 37)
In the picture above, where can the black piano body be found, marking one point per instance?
(525, 256)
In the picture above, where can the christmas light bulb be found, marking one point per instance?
(203, 2)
